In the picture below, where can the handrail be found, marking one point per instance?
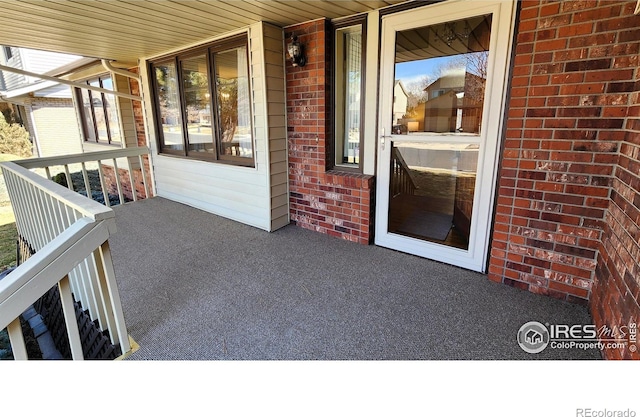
(87, 207)
(69, 234)
(134, 161)
(24, 285)
(402, 181)
(81, 157)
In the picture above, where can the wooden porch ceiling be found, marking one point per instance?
(125, 30)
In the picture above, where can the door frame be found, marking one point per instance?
(502, 30)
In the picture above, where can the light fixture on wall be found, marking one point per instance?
(449, 34)
(296, 52)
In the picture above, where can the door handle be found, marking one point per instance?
(382, 139)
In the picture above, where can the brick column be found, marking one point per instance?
(331, 202)
(575, 69)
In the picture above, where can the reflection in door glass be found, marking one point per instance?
(440, 77)
(431, 191)
(439, 92)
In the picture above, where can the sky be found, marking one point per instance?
(413, 71)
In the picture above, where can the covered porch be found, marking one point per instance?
(201, 287)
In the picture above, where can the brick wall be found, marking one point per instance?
(323, 200)
(109, 174)
(574, 71)
(616, 292)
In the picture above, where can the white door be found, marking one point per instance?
(442, 89)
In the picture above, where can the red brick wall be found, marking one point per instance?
(616, 292)
(125, 182)
(137, 175)
(326, 201)
(573, 76)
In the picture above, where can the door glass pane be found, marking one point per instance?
(166, 85)
(431, 191)
(439, 91)
(197, 99)
(234, 110)
(441, 72)
(348, 89)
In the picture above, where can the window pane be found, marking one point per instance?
(441, 73)
(166, 85)
(348, 90)
(112, 111)
(88, 115)
(234, 106)
(432, 189)
(197, 100)
(98, 110)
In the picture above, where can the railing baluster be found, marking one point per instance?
(75, 282)
(68, 176)
(70, 319)
(57, 215)
(36, 219)
(97, 292)
(43, 208)
(114, 293)
(108, 302)
(134, 192)
(144, 176)
(85, 176)
(20, 208)
(80, 284)
(118, 182)
(47, 172)
(103, 184)
(90, 301)
(10, 182)
(18, 347)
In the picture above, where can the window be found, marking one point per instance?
(99, 113)
(349, 92)
(203, 104)
(7, 52)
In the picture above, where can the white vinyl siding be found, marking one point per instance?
(272, 56)
(125, 111)
(12, 80)
(256, 196)
(41, 62)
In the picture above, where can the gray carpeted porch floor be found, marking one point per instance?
(200, 287)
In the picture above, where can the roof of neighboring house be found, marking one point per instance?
(451, 80)
(401, 85)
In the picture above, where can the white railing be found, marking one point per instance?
(69, 234)
(131, 158)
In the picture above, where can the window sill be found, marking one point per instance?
(222, 162)
(349, 179)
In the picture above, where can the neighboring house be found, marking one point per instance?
(45, 108)
(63, 119)
(452, 104)
(236, 130)
(400, 102)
